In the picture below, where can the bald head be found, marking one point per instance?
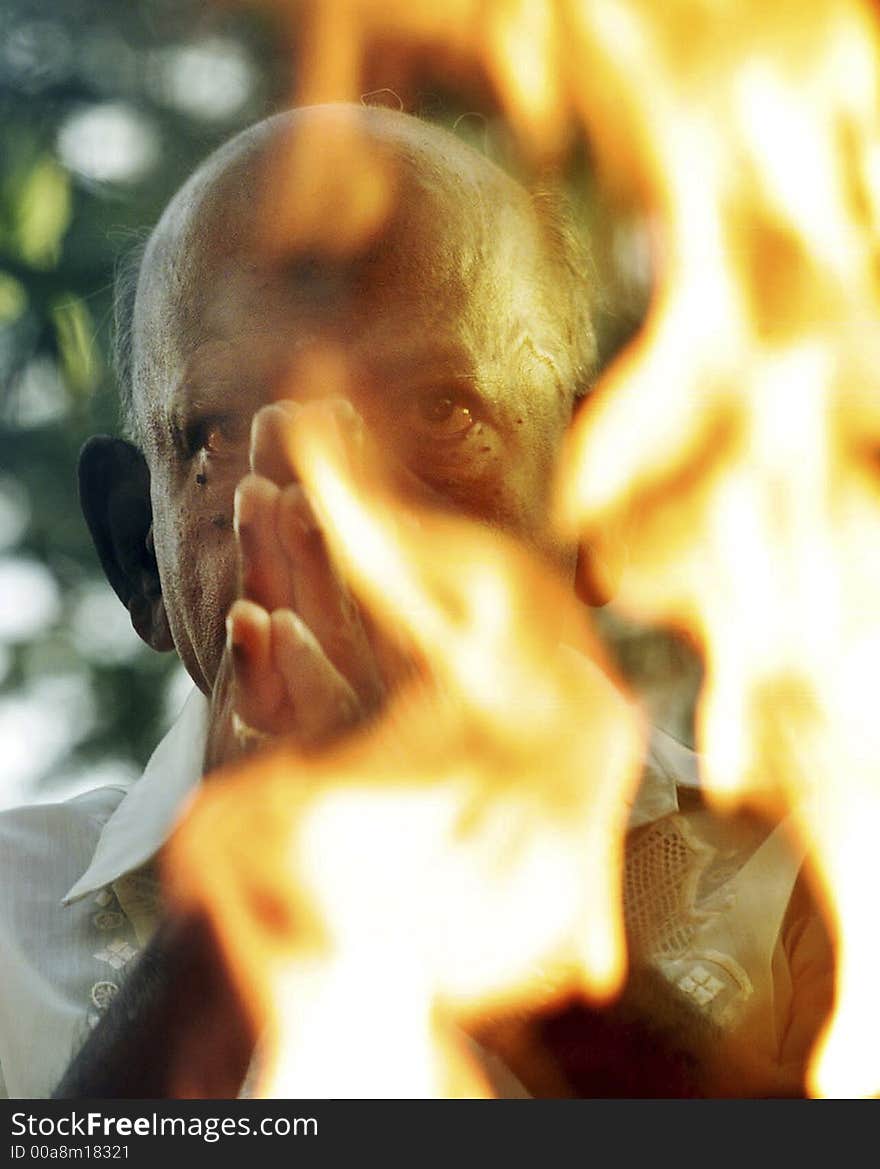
(231, 203)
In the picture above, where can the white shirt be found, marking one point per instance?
(73, 914)
(66, 938)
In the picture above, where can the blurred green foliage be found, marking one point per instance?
(37, 209)
(63, 229)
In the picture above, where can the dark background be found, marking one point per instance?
(105, 106)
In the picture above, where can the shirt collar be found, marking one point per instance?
(668, 765)
(149, 810)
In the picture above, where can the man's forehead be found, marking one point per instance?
(407, 357)
(459, 248)
(421, 301)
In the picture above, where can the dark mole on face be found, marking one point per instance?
(221, 521)
(201, 480)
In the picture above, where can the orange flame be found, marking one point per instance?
(462, 855)
(732, 452)
(746, 495)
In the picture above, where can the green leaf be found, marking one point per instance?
(43, 213)
(13, 299)
(77, 352)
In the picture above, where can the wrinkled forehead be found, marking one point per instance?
(459, 246)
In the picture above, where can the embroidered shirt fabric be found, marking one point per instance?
(72, 905)
(78, 899)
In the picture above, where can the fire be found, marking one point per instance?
(461, 856)
(747, 495)
(732, 452)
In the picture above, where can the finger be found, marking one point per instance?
(280, 430)
(259, 688)
(321, 597)
(324, 703)
(263, 571)
(270, 441)
(347, 432)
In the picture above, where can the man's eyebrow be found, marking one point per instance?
(544, 357)
(192, 396)
(193, 393)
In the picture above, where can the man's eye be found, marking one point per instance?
(214, 436)
(444, 414)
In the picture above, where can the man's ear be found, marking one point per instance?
(114, 494)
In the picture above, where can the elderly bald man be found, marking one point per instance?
(466, 325)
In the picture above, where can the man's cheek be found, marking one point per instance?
(471, 473)
(214, 593)
(218, 571)
(204, 587)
